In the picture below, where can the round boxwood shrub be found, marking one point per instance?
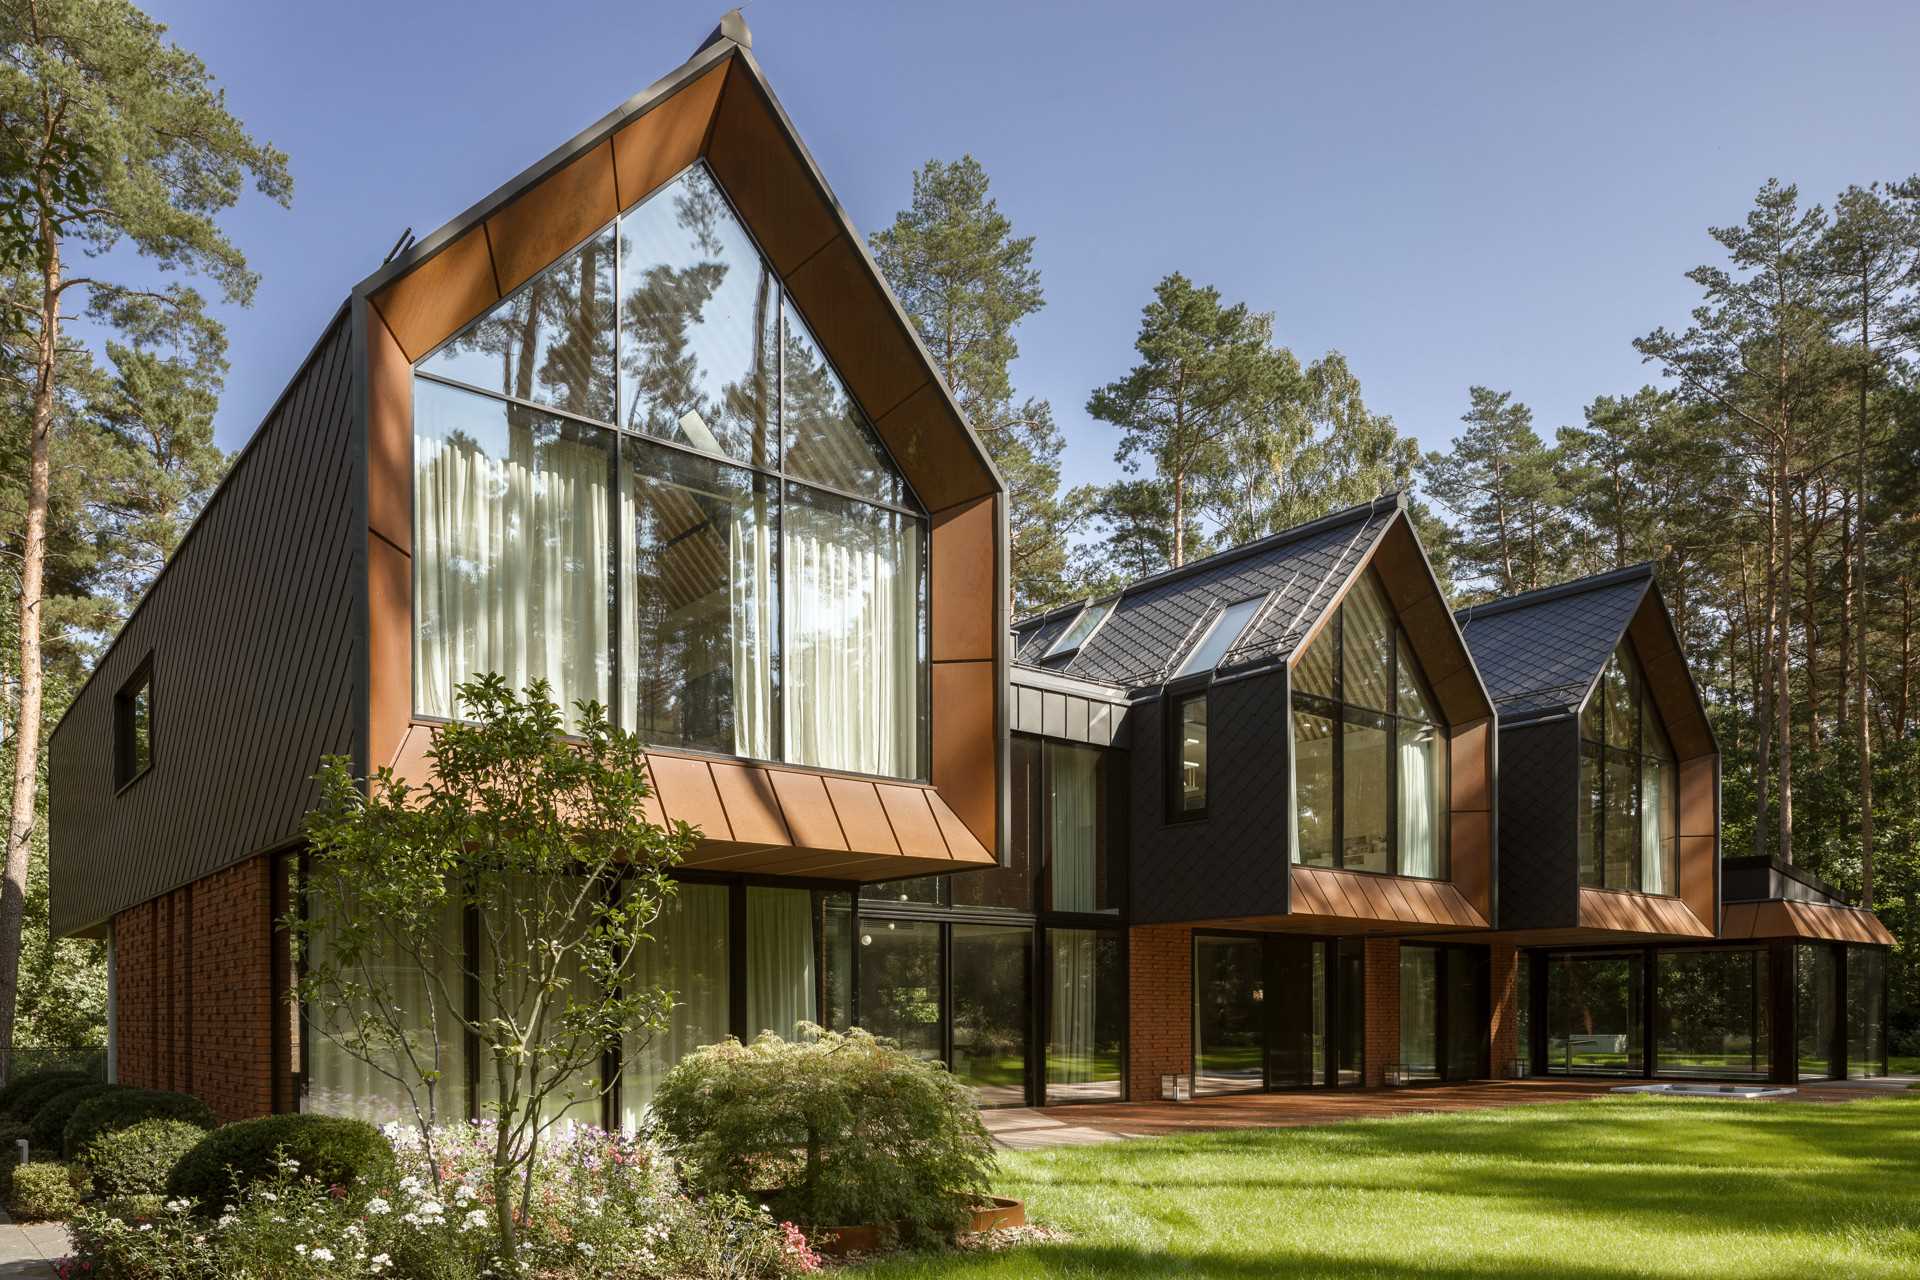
(41, 1190)
(831, 1131)
(49, 1123)
(34, 1094)
(138, 1159)
(126, 1107)
(31, 1079)
(330, 1149)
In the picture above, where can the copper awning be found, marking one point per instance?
(1784, 918)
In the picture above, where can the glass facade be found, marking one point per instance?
(1187, 787)
(1629, 786)
(1595, 1015)
(640, 471)
(1420, 1011)
(1370, 755)
(1443, 1012)
(1816, 971)
(1866, 1012)
(1711, 1013)
(1229, 1004)
(1277, 1011)
(992, 975)
(1086, 1015)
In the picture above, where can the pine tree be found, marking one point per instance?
(1499, 483)
(110, 136)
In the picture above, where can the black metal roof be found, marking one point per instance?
(1158, 619)
(1541, 651)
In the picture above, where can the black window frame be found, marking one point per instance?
(126, 769)
(1194, 689)
(1601, 753)
(1338, 710)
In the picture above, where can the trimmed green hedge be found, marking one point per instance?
(49, 1123)
(29, 1079)
(124, 1108)
(138, 1159)
(330, 1149)
(33, 1094)
(42, 1190)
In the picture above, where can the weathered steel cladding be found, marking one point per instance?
(256, 630)
(1539, 825)
(1235, 861)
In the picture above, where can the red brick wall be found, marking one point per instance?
(1503, 1001)
(1383, 1008)
(1160, 1007)
(195, 991)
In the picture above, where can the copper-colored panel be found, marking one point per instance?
(966, 609)
(862, 816)
(752, 810)
(1468, 748)
(389, 649)
(1696, 796)
(429, 302)
(1377, 906)
(552, 216)
(1398, 562)
(1342, 894)
(389, 435)
(650, 807)
(1736, 920)
(966, 753)
(912, 819)
(1472, 859)
(848, 310)
(763, 173)
(1436, 642)
(808, 812)
(1697, 857)
(686, 791)
(929, 441)
(961, 844)
(1403, 905)
(659, 144)
(409, 759)
(1460, 696)
(1306, 895)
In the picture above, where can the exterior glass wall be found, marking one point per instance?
(901, 983)
(992, 975)
(1629, 786)
(1816, 971)
(1086, 1015)
(1274, 1011)
(1595, 1022)
(1229, 1003)
(1711, 1013)
(1420, 1012)
(1370, 752)
(772, 594)
(1866, 1012)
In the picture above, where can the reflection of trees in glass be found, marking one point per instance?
(826, 438)
(1710, 1012)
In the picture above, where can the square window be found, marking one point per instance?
(133, 726)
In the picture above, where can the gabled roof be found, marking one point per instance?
(1542, 652)
(1155, 620)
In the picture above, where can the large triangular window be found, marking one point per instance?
(748, 578)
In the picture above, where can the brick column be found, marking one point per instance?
(1503, 1000)
(1159, 1007)
(1383, 1008)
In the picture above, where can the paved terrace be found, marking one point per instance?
(1085, 1124)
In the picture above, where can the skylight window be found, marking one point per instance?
(1082, 629)
(1220, 637)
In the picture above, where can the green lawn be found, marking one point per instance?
(1612, 1188)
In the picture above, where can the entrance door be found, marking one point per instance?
(1274, 1011)
(1297, 1002)
(1229, 996)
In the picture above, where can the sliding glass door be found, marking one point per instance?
(1229, 994)
(1273, 1011)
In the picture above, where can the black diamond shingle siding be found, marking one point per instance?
(1540, 658)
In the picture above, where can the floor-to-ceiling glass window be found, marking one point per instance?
(1710, 1013)
(689, 956)
(1523, 1013)
(753, 564)
(1350, 971)
(1464, 1014)
(1595, 1015)
(1629, 785)
(1816, 1013)
(1086, 1014)
(1420, 1012)
(1370, 750)
(1229, 1008)
(901, 984)
(1866, 1012)
(991, 980)
(1297, 992)
(782, 988)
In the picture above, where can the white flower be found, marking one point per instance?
(225, 1220)
(179, 1206)
(288, 1162)
(323, 1255)
(476, 1220)
(585, 1248)
(269, 1197)
(300, 1249)
(378, 1263)
(377, 1206)
(146, 1226)
(463, 1193)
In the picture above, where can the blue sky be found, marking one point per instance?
(1503, 194)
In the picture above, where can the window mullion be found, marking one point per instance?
(1339, 797)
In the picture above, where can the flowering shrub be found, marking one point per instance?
(603, 1206)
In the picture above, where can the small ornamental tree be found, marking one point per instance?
(539, 845)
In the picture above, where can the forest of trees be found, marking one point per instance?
(1770, 469)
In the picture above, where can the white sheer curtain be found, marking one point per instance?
(1075, 827)
(851, 581)
(1655, 830)
(511, 550)
(780, 972)
(1070, 1031)
(343, 1084)
(1421, 811)
(688, 956)
(750, 588)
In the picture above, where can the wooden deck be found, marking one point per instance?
(1090, 1123)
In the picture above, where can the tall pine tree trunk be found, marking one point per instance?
(1783, 678)
(1859, 583)
(26, 738)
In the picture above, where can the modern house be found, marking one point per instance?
(647, 423)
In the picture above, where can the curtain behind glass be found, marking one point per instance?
(780, 974)
(688, 956)
(851, 669)
(1422, 784)
(576, 1099)
(511, 549)
(1076, 830)
(340, 1084)
(1071, 1030)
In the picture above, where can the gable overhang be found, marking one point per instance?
(718, 108)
